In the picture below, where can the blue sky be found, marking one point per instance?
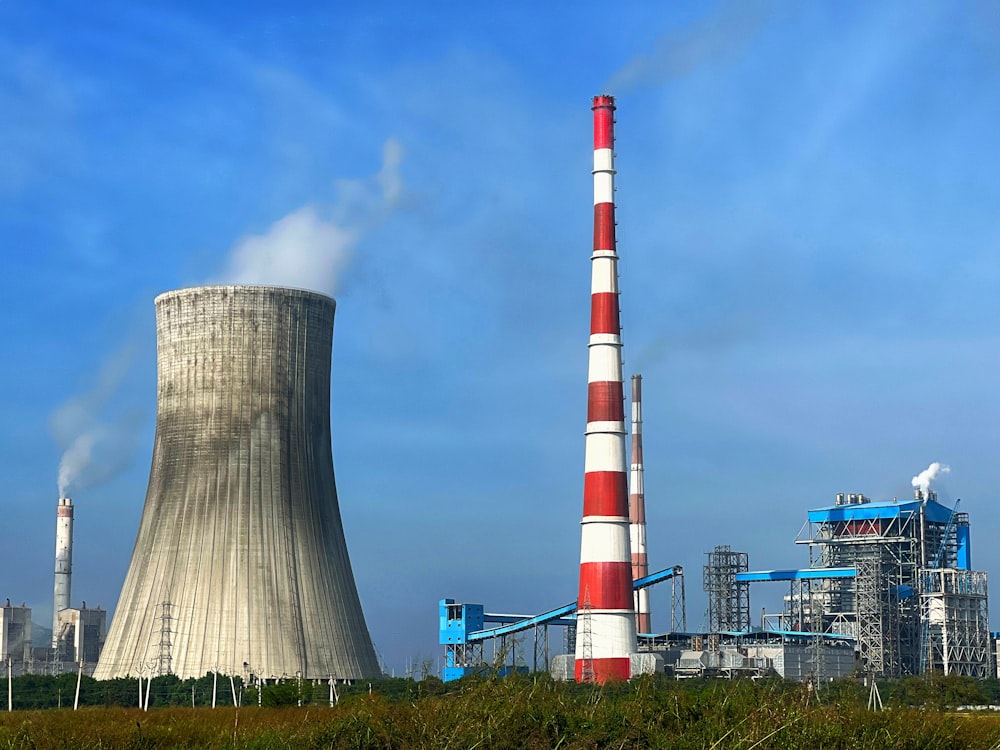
(808, 209)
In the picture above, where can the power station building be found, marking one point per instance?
(80, 637)
(15, 636)
(889, 589)
(240, 563)
(913, 603)
(893, 580)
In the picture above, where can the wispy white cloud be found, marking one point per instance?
(37, 131)
(877, 54)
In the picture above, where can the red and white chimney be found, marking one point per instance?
(605, 595)
(637, 512)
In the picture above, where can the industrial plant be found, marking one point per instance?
(240, 563)
(888, 591)
(77, 633)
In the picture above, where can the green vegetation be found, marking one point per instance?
(515, 712)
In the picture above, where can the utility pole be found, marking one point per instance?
(10, 687)
(79, 677)
(149, 682)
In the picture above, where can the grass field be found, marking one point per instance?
(534, 712)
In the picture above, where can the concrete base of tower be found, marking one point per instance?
(565, 667)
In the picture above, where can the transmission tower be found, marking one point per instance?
(166, 644)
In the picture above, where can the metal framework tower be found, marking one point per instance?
(585, 639)
(678, 603)
(605, 554)
(879, 643)
(637, 512)
(241, 530)
(728, 599)
(165, 651)
(955, 613)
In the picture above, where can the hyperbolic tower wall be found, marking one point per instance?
(605, 614)
(240, 563)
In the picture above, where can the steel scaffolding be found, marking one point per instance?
(678, 602)
(906, 614)
(878, 617)
(955, 617)
(728, 599)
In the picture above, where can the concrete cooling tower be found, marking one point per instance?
(240, 563)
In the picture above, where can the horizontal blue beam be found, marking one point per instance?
(659, 577)
(542, 619)
(553, 616)
(809, 634)
(805, 574)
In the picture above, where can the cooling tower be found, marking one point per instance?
(240, 563)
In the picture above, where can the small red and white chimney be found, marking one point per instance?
(605, 594)
(637, 512)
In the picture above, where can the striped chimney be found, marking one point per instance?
(605, 557)
(637, 512)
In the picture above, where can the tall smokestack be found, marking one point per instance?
(605, 595)
(637, 512)
(240, 563)
(64, 563)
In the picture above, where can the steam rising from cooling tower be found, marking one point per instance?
(922, 481)
(240, 557)
(310, 247)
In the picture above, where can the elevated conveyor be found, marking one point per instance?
(463, 631)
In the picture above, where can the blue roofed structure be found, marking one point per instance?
(933, 511)
(872, 561)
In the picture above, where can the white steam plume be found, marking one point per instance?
(310, 247)
(923, 479)
(96, 445)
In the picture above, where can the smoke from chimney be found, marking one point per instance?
(97, 442)
(922, 481)
(725, 35)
